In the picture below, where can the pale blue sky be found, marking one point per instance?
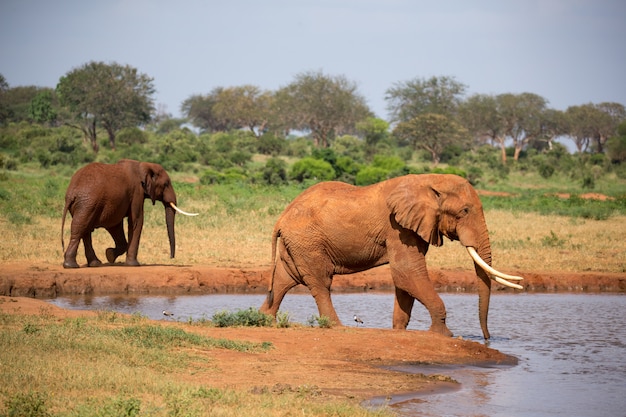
(568, 51)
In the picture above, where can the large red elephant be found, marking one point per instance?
(336, 228)
(102, 195)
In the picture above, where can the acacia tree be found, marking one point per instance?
(110, 96)
(431, 132)
(523, 117)
(227, 108)
(479, 114)
(519, 117)
(323, 105)
(439, 95)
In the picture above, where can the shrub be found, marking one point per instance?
(269, 144)
(251, 317)
(275, 172)
(450, 170)
(371, 175)
(311, 168)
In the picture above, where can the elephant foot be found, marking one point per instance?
(94, 263)
(110, 252)
(441, 329)
(70, 264)
(131, 262)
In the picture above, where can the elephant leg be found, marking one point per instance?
(134, 234)
(69, 260)
(409, 273)
(281, 285)
(117, 233)
(324, 303)
(90, 254)
(403, 305)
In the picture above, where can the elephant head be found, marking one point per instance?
(435, 206)
(157, 185)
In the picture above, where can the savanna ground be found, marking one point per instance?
(76, 362)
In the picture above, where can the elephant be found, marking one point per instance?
(336, 228)
(102, 195)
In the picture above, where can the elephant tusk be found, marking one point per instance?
(182, 212)
(496, 275)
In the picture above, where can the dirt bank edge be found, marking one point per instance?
(40, 280)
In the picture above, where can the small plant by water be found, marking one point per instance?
(250, 317)
(323, 322)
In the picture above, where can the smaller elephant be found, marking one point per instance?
(102, 195)
(335, 228)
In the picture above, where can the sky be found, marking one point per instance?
(570, 52)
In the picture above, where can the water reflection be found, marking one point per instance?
(571, 348)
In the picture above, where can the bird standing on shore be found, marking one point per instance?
(358, 320)
(168, 314)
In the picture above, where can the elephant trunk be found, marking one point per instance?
(484, 287)
(170, 214)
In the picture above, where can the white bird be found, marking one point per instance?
(168, 313)
(358, 320)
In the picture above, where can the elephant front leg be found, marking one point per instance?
(117, 233)
(410, 276)
(134, 235)
(402, 307)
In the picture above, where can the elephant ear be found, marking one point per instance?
(148, 180)
(417, 208)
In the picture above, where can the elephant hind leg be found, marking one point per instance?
(90, 254)
(324, 303)
(117, 233)
(282, 283)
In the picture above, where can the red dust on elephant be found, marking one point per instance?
(102, 195)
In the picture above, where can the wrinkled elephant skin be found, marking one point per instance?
(336, 228)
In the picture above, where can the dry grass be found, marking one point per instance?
(521, 241)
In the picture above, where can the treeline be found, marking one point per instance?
(106, 112)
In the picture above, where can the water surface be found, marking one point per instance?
(571, 347)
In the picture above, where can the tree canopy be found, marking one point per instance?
(111, 96)
(324, 105)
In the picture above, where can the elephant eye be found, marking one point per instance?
(464, 212)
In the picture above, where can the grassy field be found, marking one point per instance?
(114, 366)
(136, 368)
(530, 229)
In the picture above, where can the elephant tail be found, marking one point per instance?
(270, 290)
(65, 208)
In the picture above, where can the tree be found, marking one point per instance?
(199, 110)
(438, 95)
(431, 132)
(523, 118)
(4, 107)
(479, 114)
(246, 106)
(42, 107)
(554, 125)
(579, 120)
(323, 105)
(519, 117)
(374, 131)
(227, 108)
(110, 96)
(616, 145)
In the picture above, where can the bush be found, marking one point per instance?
(450, 170)
(371, 175)
(275, 172)
(311, 168)
(251, 317)
(269, 144)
